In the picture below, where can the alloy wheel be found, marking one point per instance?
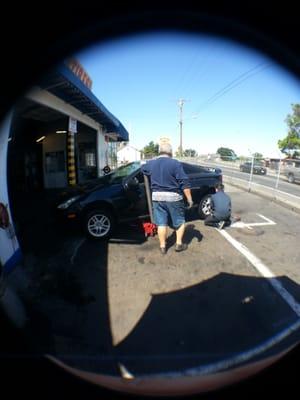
(99, 225)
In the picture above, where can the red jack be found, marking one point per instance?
(150, 229)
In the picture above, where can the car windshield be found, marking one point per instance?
(122, 172)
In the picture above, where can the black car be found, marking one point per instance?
(119, 196)
(258, 168)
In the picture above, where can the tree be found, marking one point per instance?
(258, 156)
(291, 143)
(177, 153)
(190, 153)
(226, 154)
(150, 150)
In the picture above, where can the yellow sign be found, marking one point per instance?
(164, 140)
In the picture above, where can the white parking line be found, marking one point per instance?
(270, 222)
(264, 271)
(241, 224)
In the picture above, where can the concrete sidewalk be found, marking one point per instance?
(287, 200)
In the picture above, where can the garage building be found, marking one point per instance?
(59, 135)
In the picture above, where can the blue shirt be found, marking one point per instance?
(221, 205)
(166, 174)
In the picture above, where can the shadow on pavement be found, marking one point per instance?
(190, 233)
(206, 323)
(67, 304)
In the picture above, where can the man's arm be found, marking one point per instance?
(184, 182)
(188, 194)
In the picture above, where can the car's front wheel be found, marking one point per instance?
(204, 208)
(99, 224)
(291, 178)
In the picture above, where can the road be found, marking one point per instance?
(266, 180)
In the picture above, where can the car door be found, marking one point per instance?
(136, 194)
(247, 167)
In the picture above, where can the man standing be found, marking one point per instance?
(220, 208)
(169, 183)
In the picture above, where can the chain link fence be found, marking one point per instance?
(276, 178)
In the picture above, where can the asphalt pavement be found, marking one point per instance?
(120, 309)
(98, 305)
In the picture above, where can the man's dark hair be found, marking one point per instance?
(219, 186)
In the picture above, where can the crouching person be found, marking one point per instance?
(220, 209)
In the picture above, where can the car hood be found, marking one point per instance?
(84, 188)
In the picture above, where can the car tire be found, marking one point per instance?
(291, 178)
(204, 208)
(99, 224)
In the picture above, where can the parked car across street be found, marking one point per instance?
(100, 204)
(258, 168)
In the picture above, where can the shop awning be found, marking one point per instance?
(63, 83)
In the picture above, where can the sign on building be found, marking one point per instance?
(79, 71)
(72, 125)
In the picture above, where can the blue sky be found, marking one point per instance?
(140, 79)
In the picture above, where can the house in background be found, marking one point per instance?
(273, 159)
(127, 154)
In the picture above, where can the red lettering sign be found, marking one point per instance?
(79, 71)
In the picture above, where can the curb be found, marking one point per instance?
(278, 199)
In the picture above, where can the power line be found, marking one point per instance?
(220, 93)
(247, 77)
(234, 80)
(185, 84)
(183, 77)
(204, 68)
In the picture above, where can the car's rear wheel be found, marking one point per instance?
(291, 178)
(99, 224)
(204, 208)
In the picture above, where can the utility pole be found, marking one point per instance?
(180, 103)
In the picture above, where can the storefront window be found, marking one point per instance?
(90, 159)
(55, 161)
(112, 154)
